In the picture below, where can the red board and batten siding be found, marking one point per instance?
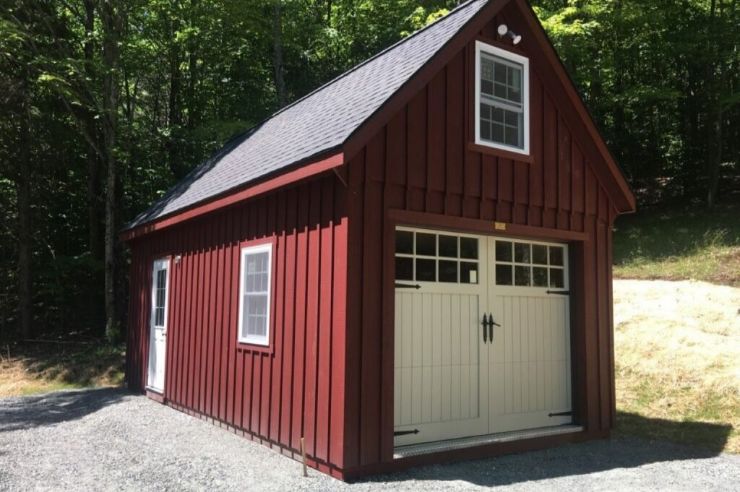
(293, 389)
(421, 169)
(328, 375)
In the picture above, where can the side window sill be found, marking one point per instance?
(251, 347)
(506, 154)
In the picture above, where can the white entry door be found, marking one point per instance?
(441, 362)
(482, 336)
(158, 325)
(530, 360)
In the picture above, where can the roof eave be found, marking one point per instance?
(294, 174)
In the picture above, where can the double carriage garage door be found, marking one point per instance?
(482, 336)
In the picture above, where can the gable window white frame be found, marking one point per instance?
(502, 110)
(255, 294)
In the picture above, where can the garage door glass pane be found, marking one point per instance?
(426, 244)
(521, 253)
(521, 274)
(426, 270)
(556, 255)
(447, 271)
(448, 246)
(503, 275)
(556, 278)
(469, 248)
(539, 254)
(404, 242)
(503, 251)
(404, 268)
(539, 277)
(468, 272)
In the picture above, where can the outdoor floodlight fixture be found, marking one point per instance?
(503, 30)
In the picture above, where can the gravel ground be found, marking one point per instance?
(112, 440)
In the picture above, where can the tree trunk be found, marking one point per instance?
(714, 156)
(277, 52)
(95, 233)
(619, 116)
(23, 186)
(192, 103)
(111, 22)
(174, 115)
(714, 113)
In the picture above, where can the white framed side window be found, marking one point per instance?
(501, 99)
(255, 283)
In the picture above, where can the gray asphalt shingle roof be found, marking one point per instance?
(315, 124)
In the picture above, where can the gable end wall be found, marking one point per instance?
(422, 161)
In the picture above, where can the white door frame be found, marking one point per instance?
(158, 333)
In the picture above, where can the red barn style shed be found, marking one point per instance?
(411, 264)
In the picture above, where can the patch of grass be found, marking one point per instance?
(39, 368)
(677, 362)
(679, 244)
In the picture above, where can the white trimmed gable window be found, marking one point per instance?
(501, 99)
(254, 294)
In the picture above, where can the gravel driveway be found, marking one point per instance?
(112, 440)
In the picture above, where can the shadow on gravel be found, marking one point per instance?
(709, 436)
(576, 459)
(51, 408)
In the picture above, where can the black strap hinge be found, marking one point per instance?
(560, 414)
(559, 292)
(405, 433)
(408, 286)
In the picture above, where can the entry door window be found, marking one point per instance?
(160, 295)
(425, 256)
(527, 264)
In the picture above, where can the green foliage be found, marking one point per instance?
(679, 243)
(652, 72)
(193, 73)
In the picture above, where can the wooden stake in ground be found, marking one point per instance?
(303, 453)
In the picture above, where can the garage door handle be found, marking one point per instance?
(488, 325)
(491, 324)
(559, 292)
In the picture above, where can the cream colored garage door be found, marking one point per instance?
(481, 342)
(529, 362)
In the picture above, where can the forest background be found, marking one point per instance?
(104, 104)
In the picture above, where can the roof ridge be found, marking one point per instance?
(354, 68)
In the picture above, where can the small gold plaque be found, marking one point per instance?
(499, 226)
